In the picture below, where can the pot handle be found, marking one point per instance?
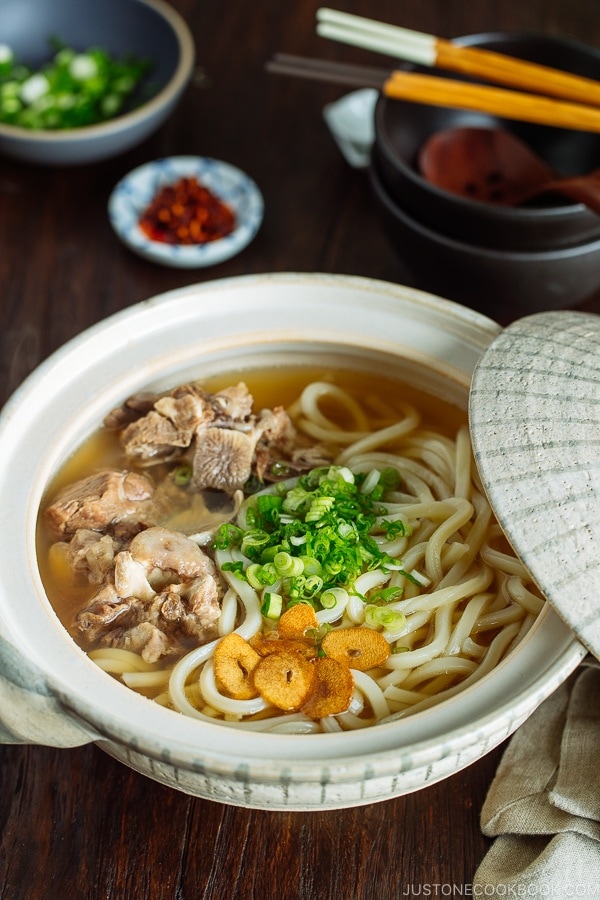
(29, 712)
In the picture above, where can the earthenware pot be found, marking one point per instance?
(52, 693)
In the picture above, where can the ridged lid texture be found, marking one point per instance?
(535, 426)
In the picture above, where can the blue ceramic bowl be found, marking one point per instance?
(143, 28)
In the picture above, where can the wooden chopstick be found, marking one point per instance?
(435, 91)
(503, 102)
(428, 50)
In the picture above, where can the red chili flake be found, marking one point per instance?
(187, 212)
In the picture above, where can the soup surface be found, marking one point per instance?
(300, 551)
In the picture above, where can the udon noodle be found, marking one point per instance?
(443, 589)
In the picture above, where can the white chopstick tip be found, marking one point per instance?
(369, 34)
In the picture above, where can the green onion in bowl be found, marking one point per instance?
(71, 91)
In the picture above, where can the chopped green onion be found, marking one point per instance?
(6, 58)
(317, 634)
(370, 482)
(394, 528)
(287, 565)
(380, 616)
(298, 498)
(295, 587)
(417, 578)
(182, 475)
(390, 479)
(258, 576)
(386, 595)
(268, 506)
(296, 601)
(314, 537)
(319, 507)
(347, 531)
(312, 566)
(82, 67)
(35, 87)
(227, 536)
(313, 585)
(272, 605)
(253, 540)
(252, 485)
(236, 568)
(334, 597)
(70, 91)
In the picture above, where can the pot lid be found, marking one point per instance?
(534, 414)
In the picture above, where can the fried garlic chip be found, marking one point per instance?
(264, 644)
(332, 689)
(357, 648)
(296, 620)
(284, 679)
(235, 661)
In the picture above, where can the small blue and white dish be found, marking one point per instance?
(133, 194)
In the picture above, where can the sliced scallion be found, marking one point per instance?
(70, 91)
(381, 616)
(313, 536)
(272, 605)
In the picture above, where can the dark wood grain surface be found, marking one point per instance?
(75, 823)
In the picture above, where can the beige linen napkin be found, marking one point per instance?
(543, 806)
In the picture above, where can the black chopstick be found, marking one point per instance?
(327, 71)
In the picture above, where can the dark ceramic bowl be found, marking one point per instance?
(402, 128)
(150, 29)
(485, 278)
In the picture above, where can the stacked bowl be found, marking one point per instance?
(542, 255)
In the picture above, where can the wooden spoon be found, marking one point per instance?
(494, 166)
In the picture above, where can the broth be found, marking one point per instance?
(432, 448)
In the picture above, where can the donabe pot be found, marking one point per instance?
(52, 693)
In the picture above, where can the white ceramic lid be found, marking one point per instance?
(535, 426)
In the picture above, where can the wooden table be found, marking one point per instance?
(75, 823)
